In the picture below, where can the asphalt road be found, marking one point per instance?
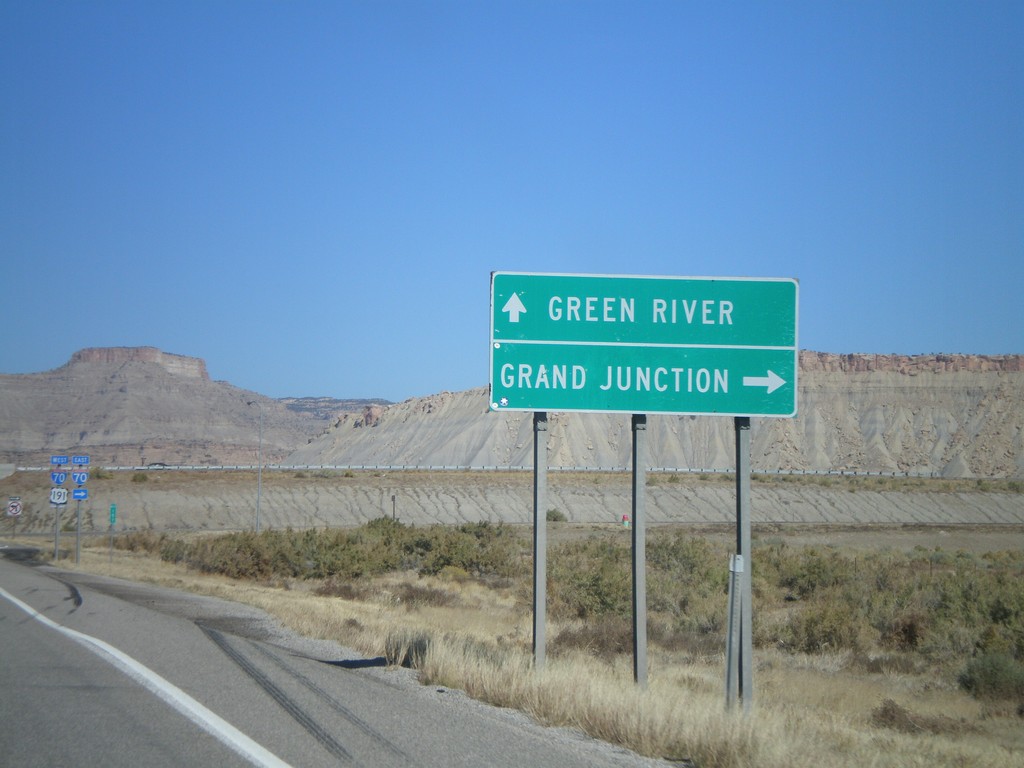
(102, 672)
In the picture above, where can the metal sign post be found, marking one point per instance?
(540, 537)
(740, 653)
(56, 532)
(58, 497)
(113, 519)
(639, 551)
(78, 531)
(80, 477)
(732, 644)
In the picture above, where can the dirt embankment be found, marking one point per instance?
(172, 500)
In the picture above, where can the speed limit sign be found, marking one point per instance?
(13, 507)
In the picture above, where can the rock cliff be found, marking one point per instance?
(138, 405)
(954, 415)
(909, 365)
(178, 365)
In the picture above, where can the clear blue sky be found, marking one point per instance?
(311, 196)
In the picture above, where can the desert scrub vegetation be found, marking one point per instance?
(955, 612)
(556, 516)
(936, 608)
(381, 546)
(944, 608)
(886, 658)
(896, 483)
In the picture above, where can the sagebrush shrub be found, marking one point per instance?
(993, 676)
(826, 625)
(381, 546)
(604, 639)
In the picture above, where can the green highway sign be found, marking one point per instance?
(637, 344)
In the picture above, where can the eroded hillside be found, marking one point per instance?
(954, 415)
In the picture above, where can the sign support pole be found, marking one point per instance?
(639, 551)
(56, 532)
(113, 520)
(745, 684)
(540, 536)
(732, 649)
(78, 531)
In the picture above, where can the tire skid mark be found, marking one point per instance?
(333, 703)
(73, 595)
(283, 700)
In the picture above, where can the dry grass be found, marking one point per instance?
(813, 710)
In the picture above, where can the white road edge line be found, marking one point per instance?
(205, 718)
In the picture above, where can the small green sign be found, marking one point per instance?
(633, 344)
(113, 514)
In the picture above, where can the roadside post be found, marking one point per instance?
(113, 519)
(80, 477)
(639, 551)
(58, 497)
(540, 537)
(78, 527)
(743, 555)
(732, 645)
(644, 345)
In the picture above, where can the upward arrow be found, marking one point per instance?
(514, 307)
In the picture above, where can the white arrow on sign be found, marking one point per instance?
(772, 381)
(514, 307)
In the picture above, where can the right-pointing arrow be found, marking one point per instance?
(772, 381)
